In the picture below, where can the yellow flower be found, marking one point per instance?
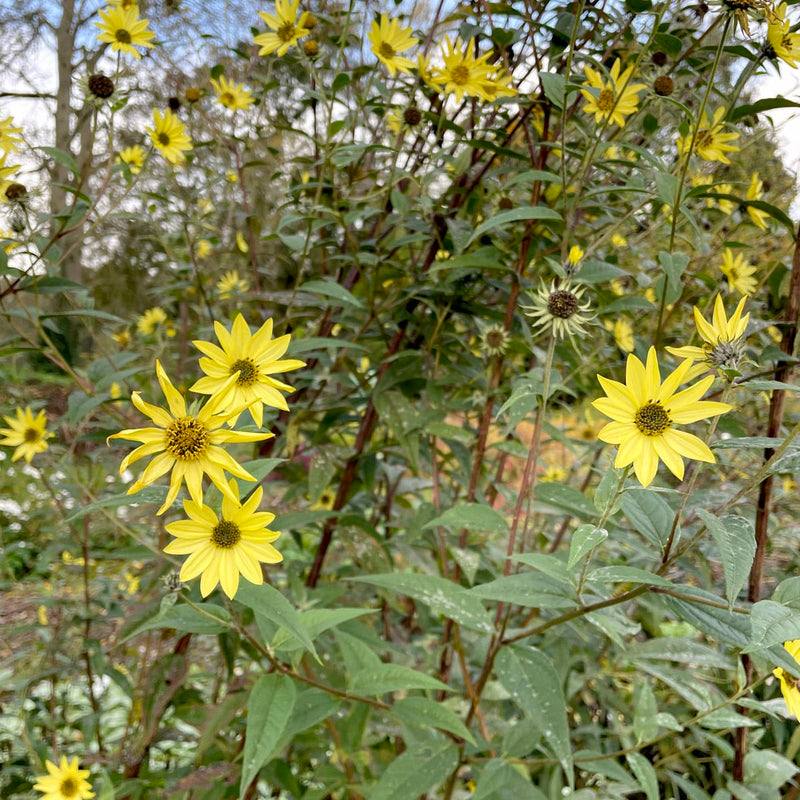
(575, 255)
(789, 485)
(725, 206)
(325, 501)
(122, 29)
(559, 309)
(41, 614)
(230, 283)
(132, 156)
(205, 205)
(231, 176)
(774, 333)
(618, 240)
(614, 100)
(222, 548)
(202, 248)
(723, 346)
(644, 412)
(388, 39)
(623, 334)
(169, 136)
(739, 273)
(241, 243)
(755, 192)
(115, 391)
(785, 45)
(186, 444)
(64, 782)
(252, 358)
(285, 26)
(28, 434)
(231, 95)
(9, 135)
(462, 74)
(711, 142)
(123, 338)
(4, 170)
(150, 320)
(789, 687)
(553, 474)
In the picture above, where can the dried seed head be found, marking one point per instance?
(310, 48)
(659, 58)
(101, 86)
(192, 94)
(412, 116)
(663, 86)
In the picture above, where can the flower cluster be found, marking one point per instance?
(188, 444)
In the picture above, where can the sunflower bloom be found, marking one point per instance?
(133, 157)
(10, 140)
(644, 411)
(169, 136)
(784, 45)
(755, 191)
(123, 30)
(222, 548)
(789, 684)
(253, 357)
(28, 434)
(230, 283)
(559, 308)
(231, 95)
(462, 74)
(150, 320)
(286, 30)
(723, 338)
(186, 444)
(64, 782)
(711, 142)
(739, 273)
(388, 39)
(616, 99)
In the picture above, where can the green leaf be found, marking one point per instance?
(440, 595)
(514, 215)
(425, 713)
(719, 623)
(382, 678)
(149, 494)
(500, 780)
(268, 602)
(768, 768)
(735, 538)
(527, 589)
(534, 685)
(623, 574)
(724, 718)
(333, 290)
(206, 618)
(645, 712)
(553, 84)
(772, 623)
(584, 540)
(259, 468)
(416, 772)
(649, 514)
(645, 774)
(268, 713)
(318, 620)
(340, 81)
(473, 517)
(566, 498)
(670, 44)
(63, 158)
(765, 104)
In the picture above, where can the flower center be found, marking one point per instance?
(286, 32)
(386, 50)
(30, 435)
(562, 304)
(69, 787)
(726, 355)
(187, 439)
(705, 138)
(123, 36)
(163, 139)
(412, 116)
(101, 86)
(652, 419)
(495, 338)
(605, 100)
(248, 372)
(227, 99)
(459, 74)
(226, 534)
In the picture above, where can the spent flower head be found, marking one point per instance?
(559, 308)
